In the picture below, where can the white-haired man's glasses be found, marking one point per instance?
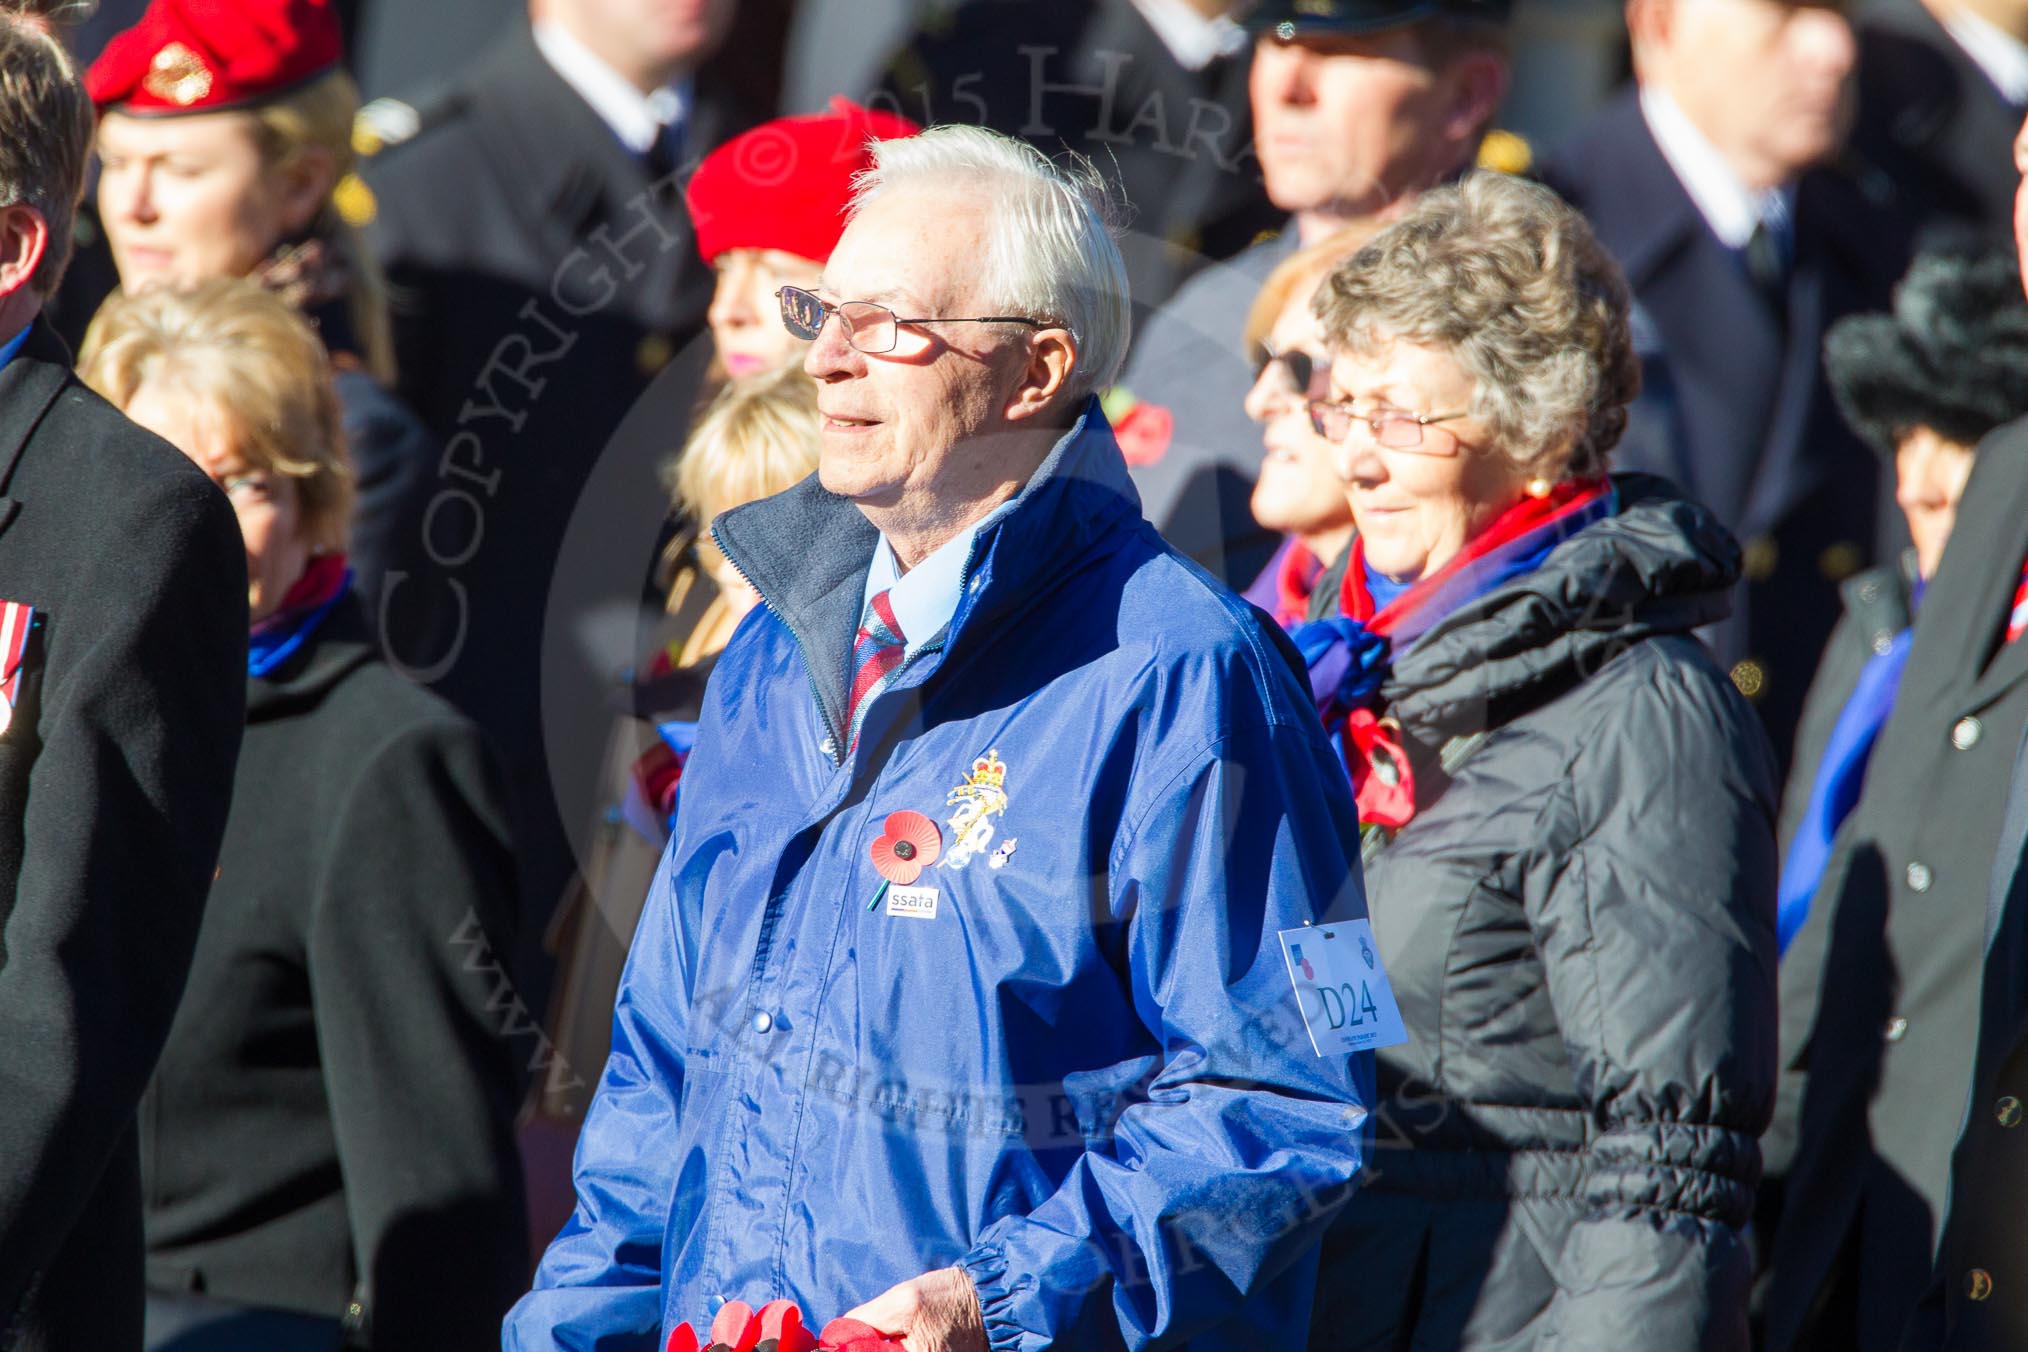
(869, 328)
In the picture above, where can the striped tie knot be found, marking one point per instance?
(876, 653)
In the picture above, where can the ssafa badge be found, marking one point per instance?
(16, 620)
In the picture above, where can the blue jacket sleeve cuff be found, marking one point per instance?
(986, 1265)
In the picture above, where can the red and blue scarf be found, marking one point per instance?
(1284, 586)
(1350, 655)
(273, 640)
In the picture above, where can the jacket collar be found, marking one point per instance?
(567, 163)
(1663, 565)
(341, 645)
(28, 386)
(1648, 214)
(807, 551)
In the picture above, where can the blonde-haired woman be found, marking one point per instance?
(759, 437)
(328, 1139)
(226, 149)
(753, 441)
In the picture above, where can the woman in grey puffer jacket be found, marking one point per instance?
(1571, 853)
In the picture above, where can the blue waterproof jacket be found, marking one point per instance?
(1084, 1076)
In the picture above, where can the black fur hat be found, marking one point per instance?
(1953, 356)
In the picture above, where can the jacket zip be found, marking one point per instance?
(837, 752)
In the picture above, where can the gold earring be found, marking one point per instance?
(1539, 488)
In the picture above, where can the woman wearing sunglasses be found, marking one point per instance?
(1297, 492)
(1568, 810)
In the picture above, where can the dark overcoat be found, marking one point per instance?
(1933, 121)
(1734, 406)
(1096, 78)
(1977, 1299)
(549, 320)
(331, 1128)
(1880, 991)
(116, 769)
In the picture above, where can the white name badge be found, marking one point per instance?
(1342, 988)
(912, 903)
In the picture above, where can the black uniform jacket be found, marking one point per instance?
(1880, 988)
(116, 768)
(1096, 78)
(1734, 407)
(1932, 120)
(1978, 1295)
(331, 1126)
(549, 317)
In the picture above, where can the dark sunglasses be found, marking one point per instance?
(1301, 373)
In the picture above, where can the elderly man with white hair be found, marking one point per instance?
(961, 1003)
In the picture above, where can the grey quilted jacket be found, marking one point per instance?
(1579, 926)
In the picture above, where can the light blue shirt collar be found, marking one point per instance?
(926, 596)
(12, 346)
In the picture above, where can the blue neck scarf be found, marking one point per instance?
(274, 640)
(1384, 590)
(1839, 777)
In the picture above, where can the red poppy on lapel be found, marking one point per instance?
(909, 844)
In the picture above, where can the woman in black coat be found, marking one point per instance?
(328, 1147)
(1568, 811)
(1923, 385)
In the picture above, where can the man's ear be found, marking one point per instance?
(24, 243)
(1479, 81)
(1649, 23)
(1052, 356)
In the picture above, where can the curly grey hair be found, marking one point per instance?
(1509, 279)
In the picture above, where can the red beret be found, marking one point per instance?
(198, 56)
(785, 184)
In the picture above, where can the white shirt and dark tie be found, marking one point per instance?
(650, 125)
(1756, 224)
(914, 607)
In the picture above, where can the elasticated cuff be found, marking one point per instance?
(986, 1265)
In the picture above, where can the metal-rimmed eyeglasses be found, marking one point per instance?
(869, 328)
(1393, 428)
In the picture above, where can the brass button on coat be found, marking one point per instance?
(1978, 1283)
(2008, 1111)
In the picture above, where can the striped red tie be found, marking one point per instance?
(2017, 618)
(876, 652)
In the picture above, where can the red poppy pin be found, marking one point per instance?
(908, 844)
(1383, 781)
(1144, 433)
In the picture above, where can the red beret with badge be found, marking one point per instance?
(785, 184)
(202, 56)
